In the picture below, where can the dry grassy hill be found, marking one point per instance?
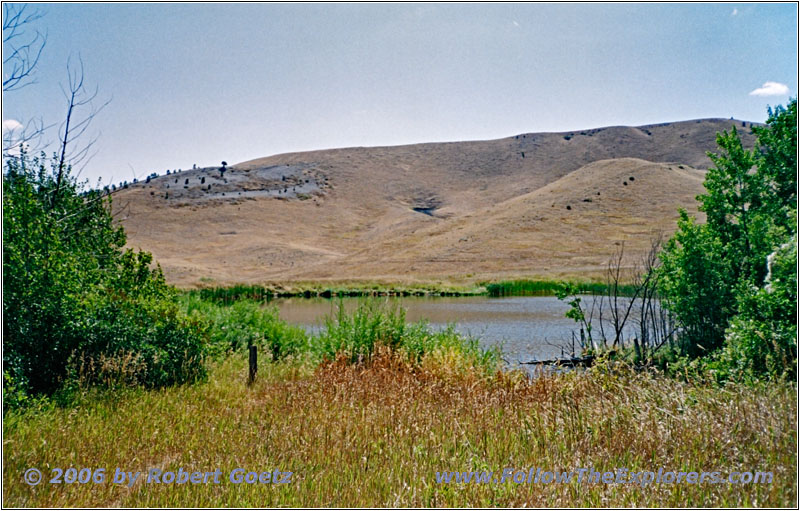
(532, 205)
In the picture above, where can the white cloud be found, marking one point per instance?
(735, 11)
(11, 125)
(12, 135)
(771, 89)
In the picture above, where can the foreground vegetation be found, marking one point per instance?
(375, 433)
(354, 336)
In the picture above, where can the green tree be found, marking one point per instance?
(762, 338)
(714, 273)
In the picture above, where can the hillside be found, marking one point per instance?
(536, 204)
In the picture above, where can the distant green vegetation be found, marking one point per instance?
(317, 290)
(521, 287)
(550, 288)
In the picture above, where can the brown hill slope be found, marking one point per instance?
(450, 211)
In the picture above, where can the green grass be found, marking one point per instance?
(521, 287)
(374, 434)
(232, 327)
(318, 290)
(548, 288)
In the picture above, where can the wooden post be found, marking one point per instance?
(253, 365)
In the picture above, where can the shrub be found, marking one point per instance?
(244, 322)
(715, 280)
(71, 293)
(762, 338)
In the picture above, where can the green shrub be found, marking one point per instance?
(235, 326)
(715, 278)
(74, 302)
(762, 338)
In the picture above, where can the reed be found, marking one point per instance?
(549, 288)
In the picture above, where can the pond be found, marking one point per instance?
(526, 328)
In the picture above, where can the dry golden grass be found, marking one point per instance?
(376, 434)
(498, 215)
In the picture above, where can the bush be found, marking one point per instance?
(762, 338)
(72, 296)
(234, 327)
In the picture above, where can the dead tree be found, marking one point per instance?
(78, 98)
(620, 307)
(656, 324)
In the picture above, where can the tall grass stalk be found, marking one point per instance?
(374, 434)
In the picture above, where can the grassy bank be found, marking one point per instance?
(323, 290)
(356, 335)
(549, 288)
(376, 433)
(366, 412)
(520, 287)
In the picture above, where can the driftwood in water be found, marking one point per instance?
(565, 362)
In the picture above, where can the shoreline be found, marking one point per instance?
(518, 287)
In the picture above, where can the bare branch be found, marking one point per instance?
(21, 49)
(73, 127)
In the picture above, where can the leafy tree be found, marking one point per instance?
(714, 273)
(762, 338)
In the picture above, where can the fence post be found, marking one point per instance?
(253, 365)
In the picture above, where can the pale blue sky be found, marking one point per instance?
(201, 83)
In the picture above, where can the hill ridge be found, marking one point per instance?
(400, 213)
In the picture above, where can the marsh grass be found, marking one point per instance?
(375, 433)
(549, 288)
(358, 334)
(231, 294)
(355, 334)
(521, 287)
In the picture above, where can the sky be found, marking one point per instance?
(201, 83)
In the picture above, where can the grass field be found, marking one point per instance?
(375, 433)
